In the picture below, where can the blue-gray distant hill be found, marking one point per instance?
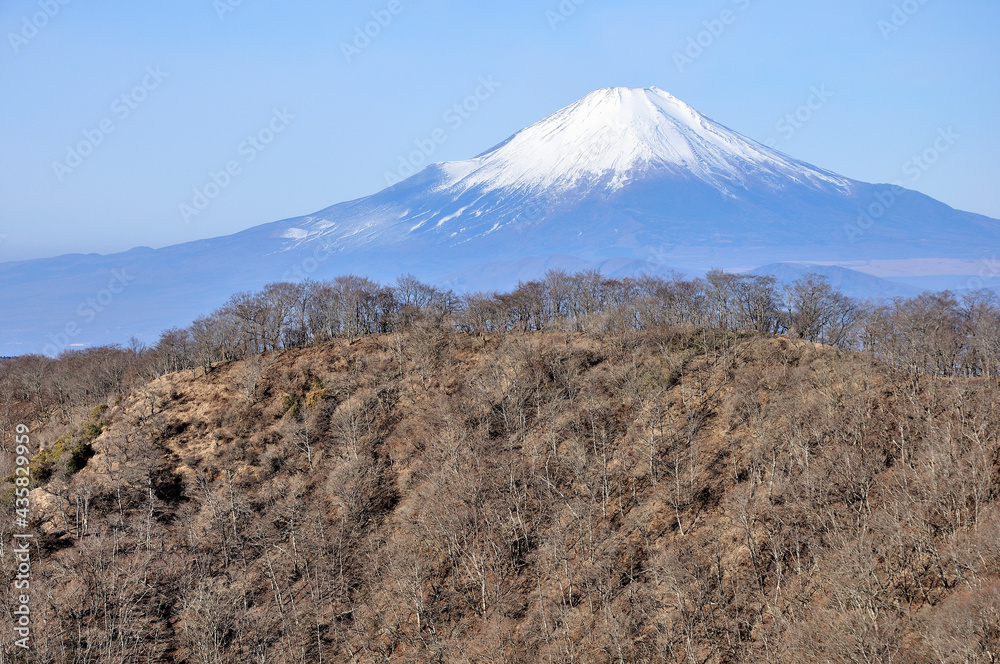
(847, 281)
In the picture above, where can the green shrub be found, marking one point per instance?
(41, 472)
(316, 396)
(76, 458)
(72, 450)
(292, 403)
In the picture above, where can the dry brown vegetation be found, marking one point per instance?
(668, 494)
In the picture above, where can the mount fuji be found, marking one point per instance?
(625, 180)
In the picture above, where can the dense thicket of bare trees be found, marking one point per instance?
(935, 333)
(582, 470)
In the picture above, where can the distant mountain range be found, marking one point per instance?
(849, 282)
(627, 181)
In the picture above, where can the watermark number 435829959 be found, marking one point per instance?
(22, 539)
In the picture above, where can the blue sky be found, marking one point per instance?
(164, 95)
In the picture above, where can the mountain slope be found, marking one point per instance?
(631, 176)
(433, 496)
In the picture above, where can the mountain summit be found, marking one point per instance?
(615, 135)
(627, 180)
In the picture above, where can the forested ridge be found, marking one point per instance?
(582, 470)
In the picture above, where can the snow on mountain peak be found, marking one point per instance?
(613, 142)
(615, 135)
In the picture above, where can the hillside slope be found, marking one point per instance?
(669, 496)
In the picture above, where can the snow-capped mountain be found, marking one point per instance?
(638, 173)
(628, 180)
(614, 135)
(612, 143)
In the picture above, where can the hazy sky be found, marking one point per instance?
(114, 113)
